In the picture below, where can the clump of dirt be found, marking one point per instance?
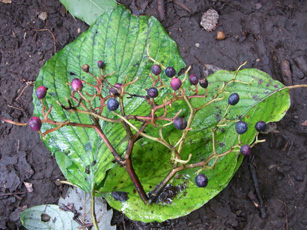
(269, 35)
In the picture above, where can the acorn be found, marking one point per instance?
(220, 35)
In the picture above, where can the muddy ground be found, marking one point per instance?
(271, 35)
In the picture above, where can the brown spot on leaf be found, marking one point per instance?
(120, 196)
(260, 81)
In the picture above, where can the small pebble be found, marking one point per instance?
(258, 6)
(43, 16)
(220, 35)
(197, 45)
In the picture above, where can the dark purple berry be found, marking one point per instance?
(245, 150)
(152, 92)
(176, 83)
(241, 127)
(86, 68)
(76, 84)
(156, 69)
(201, 180)
(260, 126)
(117, 85)
(100, 64)
(203, 82)
(233, 99)
(112, 104)
(35, 123)
(170, 72)
(41, 92)
(193, 79)
(113, 92)
(180, 123)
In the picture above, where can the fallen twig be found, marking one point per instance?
(53, 37)
(182, 6)
(253, 172)
(11, 193)
(161, 9)
(24, 88)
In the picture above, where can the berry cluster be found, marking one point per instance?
(241, 126)
(114, 103)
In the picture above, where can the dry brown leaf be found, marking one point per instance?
(28, 186)
(304, 123)
(6, 1)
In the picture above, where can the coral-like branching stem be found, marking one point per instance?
(135, 180)
(109, 145)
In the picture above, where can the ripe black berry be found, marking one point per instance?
(41, 92)
(233, 99)
(113, 92)
(193, 79)
(260, 126)
(86, 68)
(156, 69)
(35, 123)
(76, 84)
(100, 64)
(170, 72)
(241, 127)
(180, 123)
(201, 180)
(245, 150)
(203, 82)
(112, 104)
(152, 92)
(176, 83)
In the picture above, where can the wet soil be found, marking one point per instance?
(270, 35)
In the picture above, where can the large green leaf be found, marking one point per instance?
(262, 99)
(88, 10)
(120, 40)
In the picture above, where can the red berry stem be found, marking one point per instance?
(128, 166)
(108, 144)
(13, 122)
(135, 180)
(62, 124)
